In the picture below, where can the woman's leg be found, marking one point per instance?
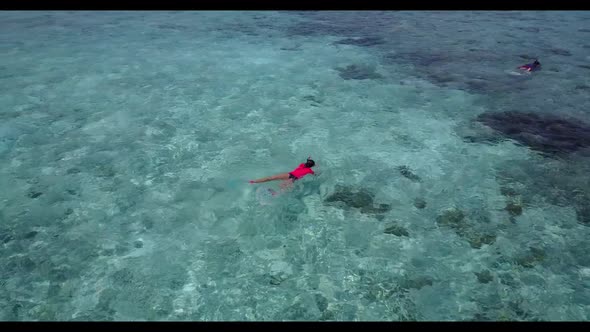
(283, 176)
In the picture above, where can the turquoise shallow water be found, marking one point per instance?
(127, 140)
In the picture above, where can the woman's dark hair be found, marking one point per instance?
(537, 62)
(309, 163)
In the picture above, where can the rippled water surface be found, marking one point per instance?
(450, 185)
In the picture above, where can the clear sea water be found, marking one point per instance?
(127, 140)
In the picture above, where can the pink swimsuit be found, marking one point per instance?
(301, 171)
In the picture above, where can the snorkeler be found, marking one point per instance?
(531, 66)
(288, 178)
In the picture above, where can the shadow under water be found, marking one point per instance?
(548, 134)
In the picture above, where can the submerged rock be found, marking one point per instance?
(6, 237)
(408, 173)
(507, 191)
(34, 194)
(529, 29)
(484, 276)
(396, 230)
(73, 170)
(291, 48)
(514, 208)
(362, 199)
(442, 78)
(421, 58)
(19, 264)
(560, 51)
(367, 41)
(123, 277)
(316, 29)
(583, 215)
(121, 249)
(476, 240)
(453, 218)
(476, 132)
(303, 307)
(419, 203)
(107, 252)
(358, 72)
(61, 273)
(532, 258)
(447, 69)
(276, 280)
(548, 134)
(321, 302)
(105, 171)
(526, 57)
(355, 199)
(327, 315)
(416, 283)
(31, 234)
(315, 100)
(381, 208)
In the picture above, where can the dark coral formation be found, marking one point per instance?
(477, 240)
(447, 69)
(476, 132)
(34, 194)
(583, 215)
(312, 29)
(343, 24)
(396, 230)
(358, 72)
(514, 208)
(455, 219)
(531, 258)
(416, 283)
(560, 51)
(529, 29)
(544, 133)
(366, 41)
(508, 191)
(421, 58)
(558, 183)
(527, 57)
(408, 173)
(484, 276)
(419, 203)
(362, 199)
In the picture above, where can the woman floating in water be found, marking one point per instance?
(288, 178)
